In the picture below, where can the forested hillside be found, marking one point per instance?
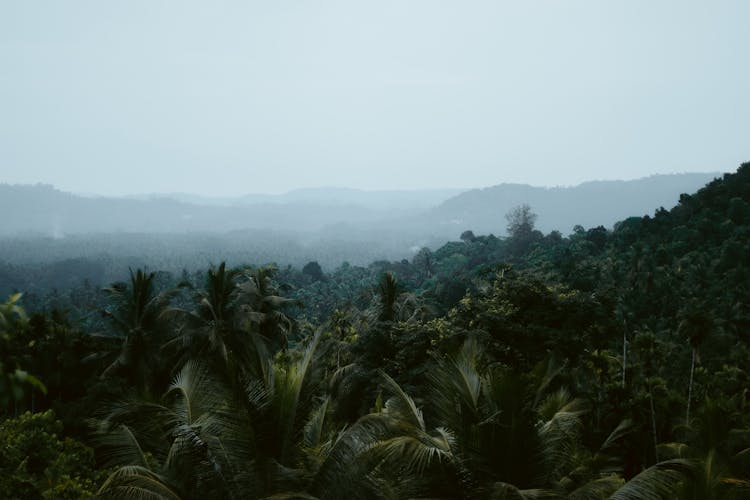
(345, 214)
(56, 240)
(589, 204)
(610, 363)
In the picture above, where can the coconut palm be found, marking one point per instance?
(517, 438)
(265, 306)
(696, 325)
(214, 329)
(385, 454)
(176, 447)
(718, 447)
(504, 442)
(199, 440)
(136, 311)
(659, 482)
(388, 290)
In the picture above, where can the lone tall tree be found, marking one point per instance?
(520, 221)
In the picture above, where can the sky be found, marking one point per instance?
(223, 98)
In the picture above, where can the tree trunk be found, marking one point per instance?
(653, 422)
(690, 389)
(624, 351)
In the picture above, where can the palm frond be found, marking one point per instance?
(288, 388)
(313, 430)
(137, 483)
(624, 428)
(598, 489)
(119, 446)
(401, 404)
(658, 482)
(415, 452)
(507, 491)
(194, 392)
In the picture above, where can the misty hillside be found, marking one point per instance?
(403, 218)
(381, 200)
(589, 204)
(42, 209)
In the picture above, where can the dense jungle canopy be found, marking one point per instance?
(601, 364)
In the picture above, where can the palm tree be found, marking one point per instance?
(203, 440)
(508, 436)
(717, 446)
(696, 325)
(213, 329)
(388, 290)
(660, 481)
(232, 304)
(385, 454)
(515, 438)
(182, 446)
(265, 306)
(136, 311)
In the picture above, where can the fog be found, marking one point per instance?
(329, 226)
(177, 135)
(254, 97)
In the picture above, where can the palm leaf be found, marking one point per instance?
(137, 483)
(119, 446)
(660, 481)
(401, 404)
(288, 387)
(597, 489)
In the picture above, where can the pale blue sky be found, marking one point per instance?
(224, 98)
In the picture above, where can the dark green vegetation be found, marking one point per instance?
(605, 364)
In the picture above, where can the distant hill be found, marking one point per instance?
(560, 208)
(51, 239)
(42, 209)
(380, 200)
(390, 223)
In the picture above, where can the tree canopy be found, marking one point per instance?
(601, 364)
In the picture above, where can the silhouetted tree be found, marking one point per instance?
(521, 221)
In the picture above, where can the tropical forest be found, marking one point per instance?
(606, 363)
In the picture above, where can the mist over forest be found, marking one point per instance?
(395, 250)
(570, 358)
(330, 226)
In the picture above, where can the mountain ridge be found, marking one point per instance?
(43, 209)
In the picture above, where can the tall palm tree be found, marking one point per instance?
(203, 440)
(213, 328)
(182, 446)
(136, 311)
(718, 447)
(696, 325)
(265, 306)
(516, 438)
(507, 434)
(388, 290)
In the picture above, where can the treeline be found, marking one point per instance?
(603, 364)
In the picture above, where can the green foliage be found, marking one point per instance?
(15, 382)
(37, 462)
(604, 364)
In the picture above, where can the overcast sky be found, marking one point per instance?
(223, 98)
